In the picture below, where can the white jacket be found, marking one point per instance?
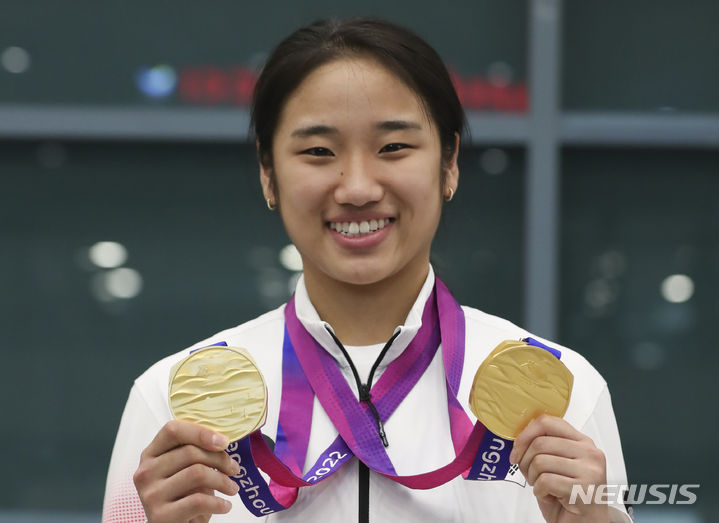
(418, 431)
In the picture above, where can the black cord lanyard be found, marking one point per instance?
(364, 388)
(366, 396)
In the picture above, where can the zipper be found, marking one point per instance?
(366, 397)
(363, 493)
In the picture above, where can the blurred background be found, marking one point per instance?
(133, 225)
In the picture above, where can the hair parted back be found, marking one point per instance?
(404, 53)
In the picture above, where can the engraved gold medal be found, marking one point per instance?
(516, 383)
(220, 388)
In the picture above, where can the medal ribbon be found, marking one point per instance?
(309, 370)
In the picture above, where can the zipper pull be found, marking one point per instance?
(364, 394)
(382, 435)
(366, 397)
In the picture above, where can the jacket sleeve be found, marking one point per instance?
(602, 428)
(137, 428)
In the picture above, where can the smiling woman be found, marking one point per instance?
(370, 365)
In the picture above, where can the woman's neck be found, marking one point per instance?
(365, 314)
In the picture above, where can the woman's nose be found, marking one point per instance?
(358, 183)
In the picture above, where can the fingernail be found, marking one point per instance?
(235, 468)
(513, 457)
(220, 441)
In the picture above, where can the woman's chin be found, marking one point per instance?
(360, 278)
(357, 274)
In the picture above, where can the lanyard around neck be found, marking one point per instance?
(308, 370)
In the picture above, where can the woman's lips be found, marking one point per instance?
(359, 228)
(361, 234)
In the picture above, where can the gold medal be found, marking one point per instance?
(516, 383)
(220, 388)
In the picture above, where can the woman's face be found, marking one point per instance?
(356, 165)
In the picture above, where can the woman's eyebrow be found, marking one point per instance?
(386, 125)
(398, 125)
(314, 130)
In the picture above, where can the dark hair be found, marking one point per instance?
(400, 50)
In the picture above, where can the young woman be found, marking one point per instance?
(358, 129)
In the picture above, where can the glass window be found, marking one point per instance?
(478, 247)
(151, 53)
(640, 251)
(640, 55)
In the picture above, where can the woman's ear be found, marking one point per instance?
(267, 178)
(451, 180)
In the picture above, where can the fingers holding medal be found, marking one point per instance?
(554, 457)
(217, 396)
(520, 392)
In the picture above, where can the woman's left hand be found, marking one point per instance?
(554, 456)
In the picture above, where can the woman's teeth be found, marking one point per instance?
(355, 229)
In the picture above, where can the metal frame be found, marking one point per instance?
(542, 132)
(541, 242)
(230, 125)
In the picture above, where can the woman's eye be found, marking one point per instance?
(318, 151)
(393, 147)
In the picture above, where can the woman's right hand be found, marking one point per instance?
(179, 472)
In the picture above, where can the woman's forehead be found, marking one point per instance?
(356, 89)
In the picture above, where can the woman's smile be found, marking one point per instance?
(357, 229)
(362, 234)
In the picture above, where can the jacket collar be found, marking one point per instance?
(307, 314)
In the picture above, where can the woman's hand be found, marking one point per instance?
(179, 472)
(554, 456)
